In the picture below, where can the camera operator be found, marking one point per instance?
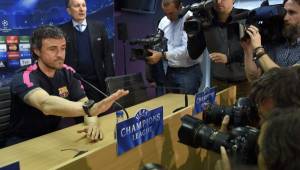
(259, 59)
(226, 54)
(182, 71)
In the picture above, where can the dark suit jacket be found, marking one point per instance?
(100, 48)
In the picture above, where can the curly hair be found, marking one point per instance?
(280, 143)
(279, 84)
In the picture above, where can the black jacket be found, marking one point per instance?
(100, 47)
(222, 38)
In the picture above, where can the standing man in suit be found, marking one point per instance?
(88, 50)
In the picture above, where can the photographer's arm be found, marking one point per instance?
(265, 61)
(251, 69)
(196, 45)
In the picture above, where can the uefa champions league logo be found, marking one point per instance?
(4, 24)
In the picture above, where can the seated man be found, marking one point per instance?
(47, 90)
(278, 54)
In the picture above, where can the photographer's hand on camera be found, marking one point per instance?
(255, 36)
(224, 162)
(155, 57)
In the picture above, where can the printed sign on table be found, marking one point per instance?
(134, 131)
(204, 98)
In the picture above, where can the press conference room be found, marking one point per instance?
(149, 84)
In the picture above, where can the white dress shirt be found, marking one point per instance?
(83, 25)
(177, 54)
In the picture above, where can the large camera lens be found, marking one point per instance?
(243, 113)
(241, 141)
(195, 133)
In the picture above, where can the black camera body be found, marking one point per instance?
(268, 19)
(242, 113)
(240, 141)
(155, 42)
(202, 16)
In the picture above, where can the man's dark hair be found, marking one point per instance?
(42, 33)
(167, 2)
(279, 84)
(280, 141)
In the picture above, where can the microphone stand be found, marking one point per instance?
(177, 88)
(185, 103)
(76, 75)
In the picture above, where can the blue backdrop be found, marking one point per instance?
(21, 17)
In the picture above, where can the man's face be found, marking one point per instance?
(292, 20)
(171, 11)
(77, 9)
(52, 53)
(223, 6)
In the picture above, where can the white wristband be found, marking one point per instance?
(93, 120)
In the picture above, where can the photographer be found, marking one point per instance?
(259, 59)
(182, 71)
(277, 88)
(278, 142)
(224, 47)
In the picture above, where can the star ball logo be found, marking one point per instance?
(5, 25)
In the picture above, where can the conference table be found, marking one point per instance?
(59, 149)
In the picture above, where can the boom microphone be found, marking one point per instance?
(78, 77)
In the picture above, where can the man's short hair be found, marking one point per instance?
(167, 2)
(67, 2)
(280, 141)
(42, 33)
(281, 85)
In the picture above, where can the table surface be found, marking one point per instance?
(45, 152)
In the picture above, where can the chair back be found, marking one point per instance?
(5, 108)
(132, 82)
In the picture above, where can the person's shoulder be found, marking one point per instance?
(66, 25)
(25, 75)
(68, 70)
(94, 22)
(239, 10)
(163, 22)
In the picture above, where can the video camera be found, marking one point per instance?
(240, 141)
(242, 113)
(155, 42)
(202, 16)
(268, 19)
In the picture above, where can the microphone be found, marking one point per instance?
(78, 77)
(186, 100)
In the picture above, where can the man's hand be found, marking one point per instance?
(93, 133)
(224, 163)
(255, 37)
(155, 57)
(218, 58)
(106, 103)
(225, 123)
